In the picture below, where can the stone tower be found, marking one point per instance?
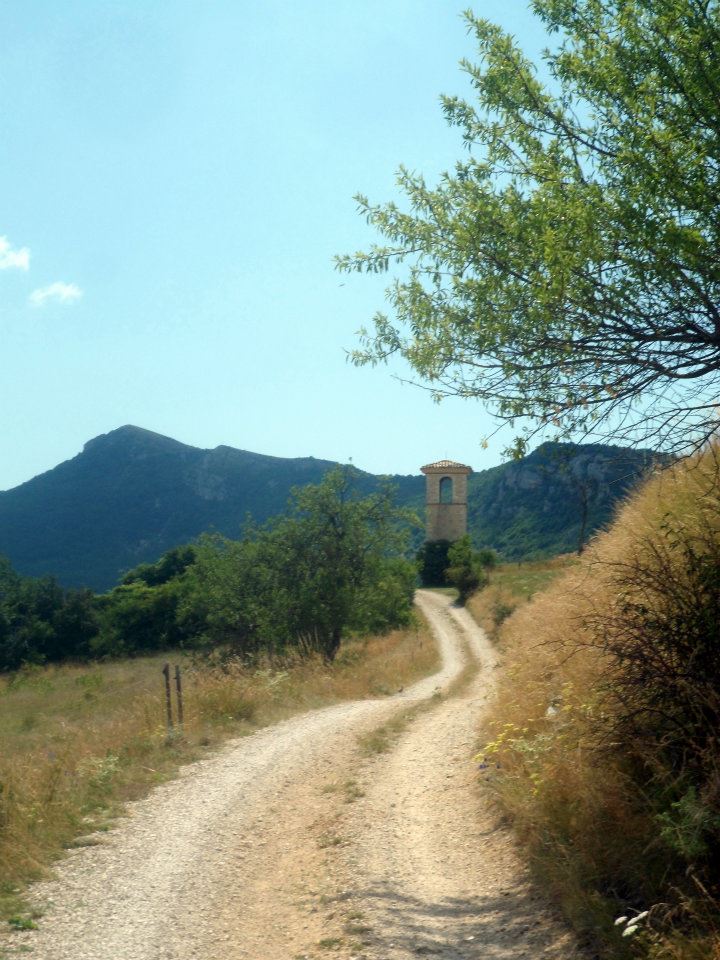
(446, 499)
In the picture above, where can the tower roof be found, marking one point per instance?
(446, 466)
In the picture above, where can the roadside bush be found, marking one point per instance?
(138, 618)
(432, 561)
(661, 637)
(466, 570)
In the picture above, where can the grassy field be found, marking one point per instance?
(77, 741)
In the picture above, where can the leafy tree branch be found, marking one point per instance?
(565, 272)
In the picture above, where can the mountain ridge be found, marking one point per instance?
(131, 494)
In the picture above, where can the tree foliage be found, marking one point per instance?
(467, 568)
(432, 561)
(170, 565)
(444, 563)
(566, 271)
(333, 564)
(41, 622)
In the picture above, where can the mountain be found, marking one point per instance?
(132, 494)
(546, 502)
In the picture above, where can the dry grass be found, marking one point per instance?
(510, 586)
(585, 805)
(78, 741)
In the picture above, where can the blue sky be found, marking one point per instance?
(177, 177)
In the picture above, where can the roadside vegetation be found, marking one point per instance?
(512, 584)
(602, 742)
(77, 741)
(457, 566)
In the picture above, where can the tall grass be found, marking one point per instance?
(605, 727)
(78, 741)
(512, 584)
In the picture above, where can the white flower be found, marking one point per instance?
(620, 920)
(630, 929)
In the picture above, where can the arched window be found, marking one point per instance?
(446, 490)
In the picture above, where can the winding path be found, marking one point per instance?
(288, 844)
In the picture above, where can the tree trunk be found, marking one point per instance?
(332, 644)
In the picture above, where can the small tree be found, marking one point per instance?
(465, 571)
(333, 564)
(487, 557)
(340, 546)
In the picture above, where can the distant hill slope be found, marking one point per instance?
(537, 506)
(132, 494)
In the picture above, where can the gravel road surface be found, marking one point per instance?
(289, 844)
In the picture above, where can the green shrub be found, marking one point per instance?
(432, 561)
(465, 569)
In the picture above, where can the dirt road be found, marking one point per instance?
(293, 844)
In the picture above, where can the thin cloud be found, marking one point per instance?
(13, 259)
(55, 293)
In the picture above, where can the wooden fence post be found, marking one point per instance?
(168, 702)
(178, 687)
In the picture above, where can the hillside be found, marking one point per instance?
(602, 734)
(132, 494)
(539, 505)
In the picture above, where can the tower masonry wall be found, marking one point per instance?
(446, 521)
(459, 487)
